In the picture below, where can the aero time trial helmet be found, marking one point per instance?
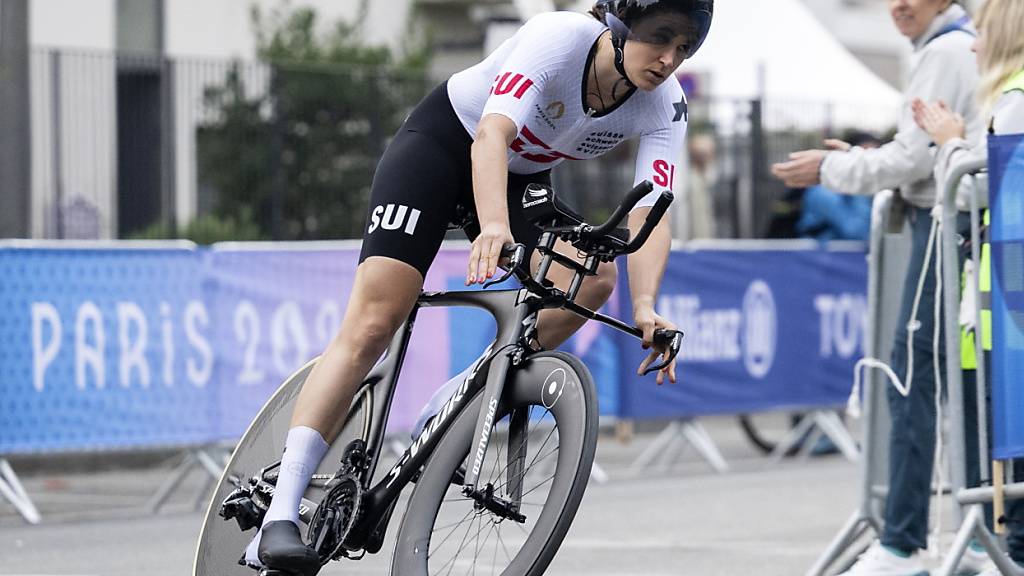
(623, 16)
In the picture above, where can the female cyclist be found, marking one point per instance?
(566, 86)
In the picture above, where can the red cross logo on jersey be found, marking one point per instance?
(554, 156)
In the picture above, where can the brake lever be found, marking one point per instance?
(673, 339)
(515, 253)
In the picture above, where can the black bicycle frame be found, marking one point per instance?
(513, 315)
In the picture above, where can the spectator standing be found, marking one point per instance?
(1000, 51)
(943, 68)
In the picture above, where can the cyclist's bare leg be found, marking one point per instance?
(383, 293)
(556, 326)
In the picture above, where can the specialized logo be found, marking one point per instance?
(553, 387)
(534, 196)
(507, 82)
(760, 329)
(485, 434)
(394, 217)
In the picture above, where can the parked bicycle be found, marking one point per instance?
(499, 472)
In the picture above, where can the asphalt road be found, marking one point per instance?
(684, 520)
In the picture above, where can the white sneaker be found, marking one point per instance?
(975, 562)
(878, 561)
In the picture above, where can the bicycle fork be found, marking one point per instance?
(520, 330)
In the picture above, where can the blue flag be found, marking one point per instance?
(1006, 199)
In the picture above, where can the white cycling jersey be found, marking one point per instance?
(537, 79)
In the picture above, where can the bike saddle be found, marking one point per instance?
(283, 552)
(543, 207)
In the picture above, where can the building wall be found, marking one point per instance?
(73, 90)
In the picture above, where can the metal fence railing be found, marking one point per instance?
(127, 146)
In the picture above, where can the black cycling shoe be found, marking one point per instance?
(283, 551)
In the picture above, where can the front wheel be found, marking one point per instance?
(535, 472)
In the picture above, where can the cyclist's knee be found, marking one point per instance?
(602, 285)
(374, 329)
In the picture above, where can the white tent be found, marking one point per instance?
(778, 50)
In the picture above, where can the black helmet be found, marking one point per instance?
(623, 16)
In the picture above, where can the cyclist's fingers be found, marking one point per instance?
(481, 263)
(471, 264)
(492, 258)
(672, 371)
(647, 362)
(646, 326)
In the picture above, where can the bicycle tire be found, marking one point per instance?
(755, 436)
(575, 418)
(221, 542)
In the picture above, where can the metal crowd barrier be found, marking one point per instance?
(887, 259)
(970, 511)
(889, 252)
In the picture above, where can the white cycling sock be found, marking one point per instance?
(303, 450)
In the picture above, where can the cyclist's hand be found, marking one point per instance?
(483, 258)
(648, 320)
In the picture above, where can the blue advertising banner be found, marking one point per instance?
(763, 330)
(1006, 199)
(105, 348)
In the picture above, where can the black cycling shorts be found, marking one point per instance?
(424, 182)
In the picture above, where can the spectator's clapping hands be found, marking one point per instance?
(935, 118)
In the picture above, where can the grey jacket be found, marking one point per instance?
(942, 69)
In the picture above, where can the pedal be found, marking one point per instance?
(239, 505)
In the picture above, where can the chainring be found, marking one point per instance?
(334, 518)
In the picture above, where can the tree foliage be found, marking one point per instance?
(298, 150)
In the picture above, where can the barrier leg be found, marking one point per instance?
(12, 491)
(683, 432)
(973, 527)
(658, 446)
(698, 436)
(795, 436)
(809, 429)
(963, 538)
(854, 528)
(833, 427)
(198, 457)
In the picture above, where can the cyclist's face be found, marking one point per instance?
(657, 45)
(912, 17)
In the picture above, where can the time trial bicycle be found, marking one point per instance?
(499, 472)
